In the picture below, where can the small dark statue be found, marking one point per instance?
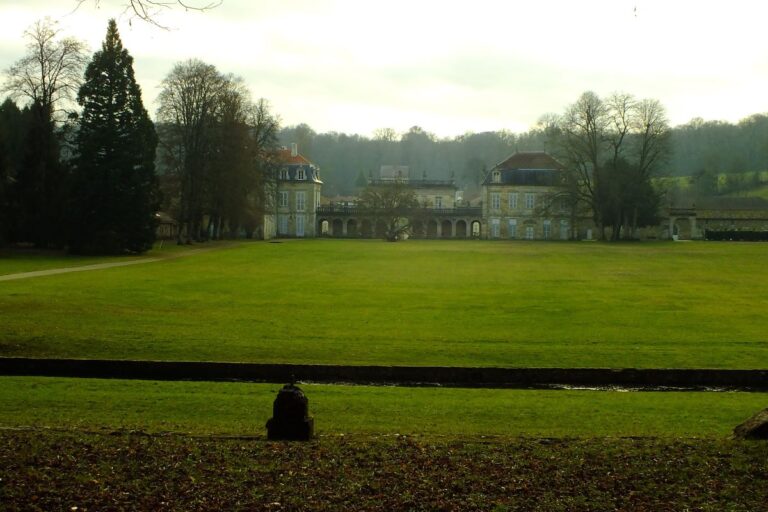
(290, 416)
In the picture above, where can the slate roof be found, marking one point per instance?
(294, 163)
(530, 160)
(535, 168)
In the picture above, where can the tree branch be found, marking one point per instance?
(148, 10)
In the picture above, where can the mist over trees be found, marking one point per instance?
(346, 158)
(697, 148)
(720, 147)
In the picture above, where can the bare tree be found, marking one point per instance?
(385, 135)
(620, 113)
(652, 126)
(148, 10)
(264, 126)
(394, 204)
(613, 147)
(222, 147)
(189, 103)
(242, 176)
(51, 72)
(579, 139)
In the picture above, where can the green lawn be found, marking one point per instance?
(576, 304)
(243, 409)
(14, 261)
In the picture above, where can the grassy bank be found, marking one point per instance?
(410, 303)
(243, 409)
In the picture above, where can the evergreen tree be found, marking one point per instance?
(115, 194)
(10, 157)
(38, 188)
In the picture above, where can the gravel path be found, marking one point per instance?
(100, 266)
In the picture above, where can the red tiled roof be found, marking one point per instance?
(285, 157)
(530, 160)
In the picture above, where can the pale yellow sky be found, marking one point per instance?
(450, 67)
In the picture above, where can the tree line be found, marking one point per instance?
(698, 148)
(91, 178)
(614, 149)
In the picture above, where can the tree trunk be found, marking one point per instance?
(634, 222)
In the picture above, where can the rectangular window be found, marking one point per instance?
(564, 231)
(513, 200)
(299, 225)
(282, 224)
(530, 201)
(547, 229)
(495, 228)
(512, 228)
(317, 199)
(495, 201)
(438, 202)
(300, 201)
(529, 232)
(283, 174)
(283, 200)
(301, 174)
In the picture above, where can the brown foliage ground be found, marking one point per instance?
(52, 470)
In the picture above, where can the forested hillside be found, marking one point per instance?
(699, 148)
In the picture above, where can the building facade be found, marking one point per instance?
(297, 196)
(522, 198)
(441, 212)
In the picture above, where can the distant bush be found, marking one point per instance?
(740, 236)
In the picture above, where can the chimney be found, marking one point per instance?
(294, 149)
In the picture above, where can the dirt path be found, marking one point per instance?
(100, 266)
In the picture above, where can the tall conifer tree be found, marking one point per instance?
(115, 194)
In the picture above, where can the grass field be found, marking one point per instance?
(90, 444)
(243, 409)
(412, 303)
(14, 261)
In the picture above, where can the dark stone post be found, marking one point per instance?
(755, 427)
(290, 416)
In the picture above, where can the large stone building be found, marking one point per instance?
(522, 199)
(430, 193)
(297, 197)
(442, 214)
(689, 218)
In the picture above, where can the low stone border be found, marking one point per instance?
(651, 378)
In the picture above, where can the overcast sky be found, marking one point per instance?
(450, 67)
